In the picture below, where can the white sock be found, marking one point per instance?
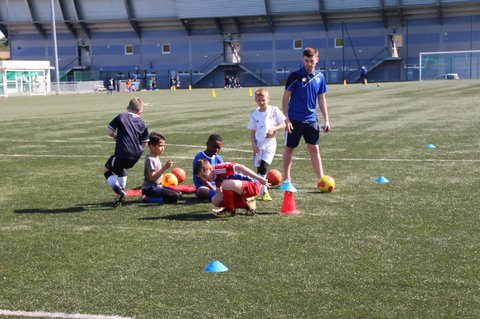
(122, 180)
(263, 188)
(113, 182)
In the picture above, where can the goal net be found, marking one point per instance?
(449, 65)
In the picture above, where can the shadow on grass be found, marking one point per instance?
(79, 208)
(266, 213)
(50, 211)
(200, 216)
(193, 216)
(103, 206)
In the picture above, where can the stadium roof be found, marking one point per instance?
(226, 16)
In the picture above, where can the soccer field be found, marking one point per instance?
(405, 249)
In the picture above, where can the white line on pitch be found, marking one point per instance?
(432, 160)
(41, 314)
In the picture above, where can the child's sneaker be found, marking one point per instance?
(251, 208)
(265, 197)
(229, 213)
(119, 199)
(222, 212)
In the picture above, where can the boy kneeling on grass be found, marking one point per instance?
(235, 183)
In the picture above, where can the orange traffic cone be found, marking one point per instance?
(288, 205)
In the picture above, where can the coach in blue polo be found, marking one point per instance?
(302, 91)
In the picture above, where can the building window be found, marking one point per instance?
(338, 43)
(166, 48)
(128, 49)
(297, 44)
(283, 70)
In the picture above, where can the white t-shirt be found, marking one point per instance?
(261, 122)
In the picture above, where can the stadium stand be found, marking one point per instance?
(258, 41)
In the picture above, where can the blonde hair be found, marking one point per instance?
(201, 166)
(261, 93)
(135, 105)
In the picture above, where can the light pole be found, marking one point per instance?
(55, 49)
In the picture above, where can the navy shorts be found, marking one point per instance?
(310, 132)
(119, 165)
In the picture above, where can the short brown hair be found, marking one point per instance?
(310, 52)
(155, 138)
(135, 105)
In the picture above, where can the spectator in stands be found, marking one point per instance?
(173, 82)
(236, 82)
(228, 82)
(177, 81)
(111, 86)
(363, 74)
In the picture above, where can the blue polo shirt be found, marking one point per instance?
(305, 88)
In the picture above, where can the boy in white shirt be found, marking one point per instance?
(264, 122)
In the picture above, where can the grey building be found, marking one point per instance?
(200, 42)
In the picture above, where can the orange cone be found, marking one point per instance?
(288, 205)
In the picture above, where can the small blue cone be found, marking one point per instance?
(288, 187)
(382, 180)
(430, 146)
(216, 266)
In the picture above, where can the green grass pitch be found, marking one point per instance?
(406, 249)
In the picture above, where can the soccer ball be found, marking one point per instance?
(180, 174)
(326, 184)
(169, 180)
(274, 177)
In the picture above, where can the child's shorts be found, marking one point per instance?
(267, 152)
(250, 189)
(118, 165)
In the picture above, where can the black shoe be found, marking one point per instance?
(119, 199)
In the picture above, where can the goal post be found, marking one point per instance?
(449, 65)
(3, 81)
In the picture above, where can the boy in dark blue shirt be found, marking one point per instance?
(204, 189)
(131, 136)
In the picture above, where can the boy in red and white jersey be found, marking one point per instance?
(235, 184)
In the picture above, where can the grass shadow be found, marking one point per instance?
(79, 208)
(193, 216)
(266, 213)
(50, 211)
